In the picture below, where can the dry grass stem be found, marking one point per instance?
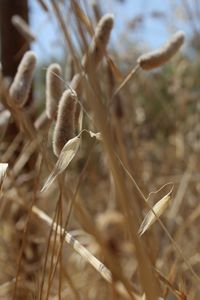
(23, 28)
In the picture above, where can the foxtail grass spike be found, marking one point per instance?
(159, 57)
(20, 88)
(54, 89)
(99, 43)
(64, 129)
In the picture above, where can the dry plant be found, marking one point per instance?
(101, 213)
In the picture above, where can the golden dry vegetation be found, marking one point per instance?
(100, 184)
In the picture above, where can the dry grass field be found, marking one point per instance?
(100, 184)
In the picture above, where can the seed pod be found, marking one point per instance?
(54, 89)
(99, 43)
(159, 57)
(20, 88)
(23, 28)
(64, 129)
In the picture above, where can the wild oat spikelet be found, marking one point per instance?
(54, 89)
(64, 129)
(159, 57)
(99, 43)
(23, 28)
(20, 88)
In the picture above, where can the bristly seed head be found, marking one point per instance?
(20, 88)
(159, 57)
(54, 89)
(64, 129)
(99, 43)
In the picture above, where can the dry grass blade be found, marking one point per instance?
(3, 169)
(85, 254)
(66, 155)
(156, 212)
(115, 71)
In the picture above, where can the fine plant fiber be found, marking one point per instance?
(64, 129)
(20, 88)
(54, 89)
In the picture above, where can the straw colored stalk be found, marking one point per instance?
(64, 129)
(159, 57)
(76, 85)
(23, 28)
(43, 5)
(54, 89)
(99, 43)
(20, 88)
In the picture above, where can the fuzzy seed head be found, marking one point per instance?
(23, 28)
(54, 89)
(20, 88)
(99, 43)
(64, 129)
(159, 57)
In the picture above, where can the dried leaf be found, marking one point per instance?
(66, 155)
(158, 209)
(3, 169)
